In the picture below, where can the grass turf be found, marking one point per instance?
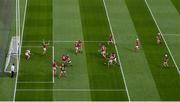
(67, 27)
(168, 88)
(176, 4)
(38, 26)
(139, 79)
(95, 28)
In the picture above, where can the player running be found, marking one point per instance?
(158, 38)
(137, 44)
(54, 67)
(45, 46)
(78, 48)
(103, 50)
(68, 60)
(110, 39)
(28, 54)
(62, 70)
(112, 58)
(165, 61)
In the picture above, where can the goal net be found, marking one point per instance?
(12, 55)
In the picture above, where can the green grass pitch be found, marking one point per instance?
(140, 76)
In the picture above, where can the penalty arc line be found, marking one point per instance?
(22, 32)
(162, 36)
(116, 51)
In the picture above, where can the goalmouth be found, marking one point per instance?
(12, 56)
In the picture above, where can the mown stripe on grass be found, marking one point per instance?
(176, 4)
(38, 26)
(166, 15)
(167, 79)
(168, 19)
(136, 69)
(95, 28)
(66, 30)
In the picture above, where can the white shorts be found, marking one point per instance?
(137, 47)
(69, 61)
(45, 49)
(77, 48)
(115, 60)
(103, 52)
(26, 54)
(63, 71)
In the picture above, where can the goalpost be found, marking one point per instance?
(13, 54)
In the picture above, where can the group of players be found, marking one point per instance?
(166, 58)
(44, 46)
(66, 60)
(103, 51)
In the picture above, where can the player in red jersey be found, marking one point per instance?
(165, 61)
(103, 50)
(63, 59)
(68, 60)
(137, 44)
(45, 46)
(112, 58)
(78, 47)
(158, 38)
(110, 39)
(54, 67)
(62, 70)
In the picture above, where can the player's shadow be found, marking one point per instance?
(5, 75)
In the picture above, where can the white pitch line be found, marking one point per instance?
(35, 46)
(33, 82)
(171, 34)
(117, 51)
(75, 90)
(14, 97)
(163, 37)
(70, 41)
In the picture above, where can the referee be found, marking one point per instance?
(12, 70)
